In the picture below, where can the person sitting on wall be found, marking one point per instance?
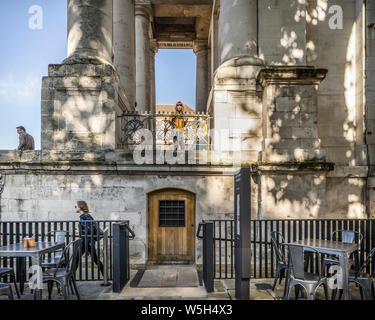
(26, 140)
(178, 122)
(89, 230)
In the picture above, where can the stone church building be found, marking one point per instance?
(287, 86)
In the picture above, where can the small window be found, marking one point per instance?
(171, 213)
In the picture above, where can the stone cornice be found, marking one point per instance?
(175, 44)
(121, 162)
(304, 75)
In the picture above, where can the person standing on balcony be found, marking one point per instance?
(90, 231)
(26, 140)
(179, 123)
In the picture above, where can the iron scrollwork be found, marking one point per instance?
(196, 128)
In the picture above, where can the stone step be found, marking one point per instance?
(166, 283)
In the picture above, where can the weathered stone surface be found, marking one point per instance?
(238, 29)
(82, 114)
(90, 32)
(290, 113)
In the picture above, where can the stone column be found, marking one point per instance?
(90, 31)
(142, 45)
(201, 51)
(214, 45)
(82, 98)
(153, 51)
(238, 29)
(209, 70)
(124, 45)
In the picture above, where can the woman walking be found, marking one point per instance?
(89, 231)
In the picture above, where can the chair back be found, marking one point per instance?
(71, 255)
(365, 264)
(296, 260)
(60, 236)
(347, 236)
(276, 245)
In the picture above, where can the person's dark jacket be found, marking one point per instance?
(26, 142)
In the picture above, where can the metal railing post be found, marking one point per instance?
(106, 282)
(208, 256)
(121, 262)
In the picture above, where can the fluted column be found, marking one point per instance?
(142, 25)
(238, 29)
(153, 51)
(90, 31)
(124, 45)
(201, 51)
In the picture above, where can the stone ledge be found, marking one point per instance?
(304, 75)
(122, 161)
(290, 167)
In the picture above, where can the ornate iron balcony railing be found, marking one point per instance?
(164, 126)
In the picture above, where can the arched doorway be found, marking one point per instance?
(171, 227)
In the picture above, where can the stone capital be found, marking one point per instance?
(154, 46)
(304, 75)
(144, 10)
(200, 45)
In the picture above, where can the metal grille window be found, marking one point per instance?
(171, 213)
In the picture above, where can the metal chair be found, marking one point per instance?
(364, 280)
(299, 277)
(282, 265)
(64, 274)
(347, 236)
(10, 271)
(5, 289)
(59, 237)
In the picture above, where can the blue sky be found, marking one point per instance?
(25, 55)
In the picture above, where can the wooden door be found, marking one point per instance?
(171, 226)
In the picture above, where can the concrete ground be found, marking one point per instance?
(260, 289)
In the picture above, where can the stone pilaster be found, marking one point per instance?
(124, 45)
(290, 128)
(90, 32)
(201, 51)
(143, 13)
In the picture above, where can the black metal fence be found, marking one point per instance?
(263, 262)
(95, 243)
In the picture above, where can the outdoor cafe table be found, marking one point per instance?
(41, 248)
(337, 248)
